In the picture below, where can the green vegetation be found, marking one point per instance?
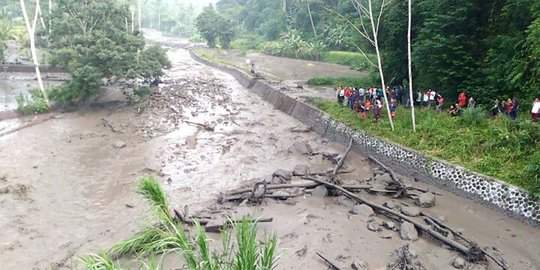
(353, 59)
(33, 104)
(167, 236)
(505, 149)
(342, 81)
(106, 50)
(214, 27)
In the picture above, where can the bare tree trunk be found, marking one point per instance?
(50, 16)
(139, 6)
(132, 11)
(31, 28)
(311, 19)
(410, 66)
(285, 7)
(379, 62)
(41, 17)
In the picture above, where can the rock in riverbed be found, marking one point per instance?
(426, 200)
(407, 231)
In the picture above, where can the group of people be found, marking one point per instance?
(365, 100)
(372, 99)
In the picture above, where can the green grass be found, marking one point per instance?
(504, 149)
(167, 236)
(355, 60)
(341, 81)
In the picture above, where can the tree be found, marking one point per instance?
(213, 26)
(367, 17)
(90, 40)
(207, 26)
(409, 54)
(31, 29)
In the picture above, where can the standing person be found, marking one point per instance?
(347, 94)
(472, 102)
(417, 97)
(432, 99)
(515, 108)
(392, 107)
(535, 110)
(378, 109)
(462, 99)
(361, 93)
(340, 95)
(425, 99)
(440, 102)
(495, 110)
(509, 106)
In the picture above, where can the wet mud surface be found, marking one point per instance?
(67, 179)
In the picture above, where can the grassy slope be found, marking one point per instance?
(498, 147)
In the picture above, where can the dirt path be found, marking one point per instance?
(66, 185)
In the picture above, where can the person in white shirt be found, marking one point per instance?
(535, 110)
(432, 95)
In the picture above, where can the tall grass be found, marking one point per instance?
(170, 237)
(502, 148)
(342, 81)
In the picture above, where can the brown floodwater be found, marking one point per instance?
(67, 191)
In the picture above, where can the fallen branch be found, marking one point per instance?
(189, 221)
(109, 125)
(229, 223)
(271, 196)
(331, 264)
(205, 126)
(473, 254)
(398, 184)
(302, 185)
(340, 162)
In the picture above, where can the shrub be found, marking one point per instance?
(248, 42)
(341, 81)
(33, 104)
(355, 60)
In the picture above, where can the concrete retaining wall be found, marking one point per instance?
(29, 69)
(492, 192)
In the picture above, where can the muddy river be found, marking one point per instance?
(67, 179)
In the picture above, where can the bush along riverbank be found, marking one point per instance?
(501, 148)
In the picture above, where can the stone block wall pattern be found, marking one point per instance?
(492, 192)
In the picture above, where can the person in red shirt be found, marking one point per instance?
(462, 99)
(347, 95)
(509, 106)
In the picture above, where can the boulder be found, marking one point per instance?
(119, 144)
(300, 170)
(389, 225)
(407, 231)
(426, 200)
(319, 192)
(360, 265)
(458, 263)
(389, 205)
(410, 211)
(373, 225)
(284, 174)
(362, 209)
(302, 147)
(383, 178)
(343, 200)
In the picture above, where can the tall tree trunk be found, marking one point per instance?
(285, 7)
(410, 66)
(379, 64)
(31, 28)
(139, 7)
(311, 18)
(132, 11)
(50, 16)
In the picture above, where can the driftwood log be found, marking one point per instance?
(472, 252)
(327, 261)
(340, 162)
(229, 223)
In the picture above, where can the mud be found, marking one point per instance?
(65, 188)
